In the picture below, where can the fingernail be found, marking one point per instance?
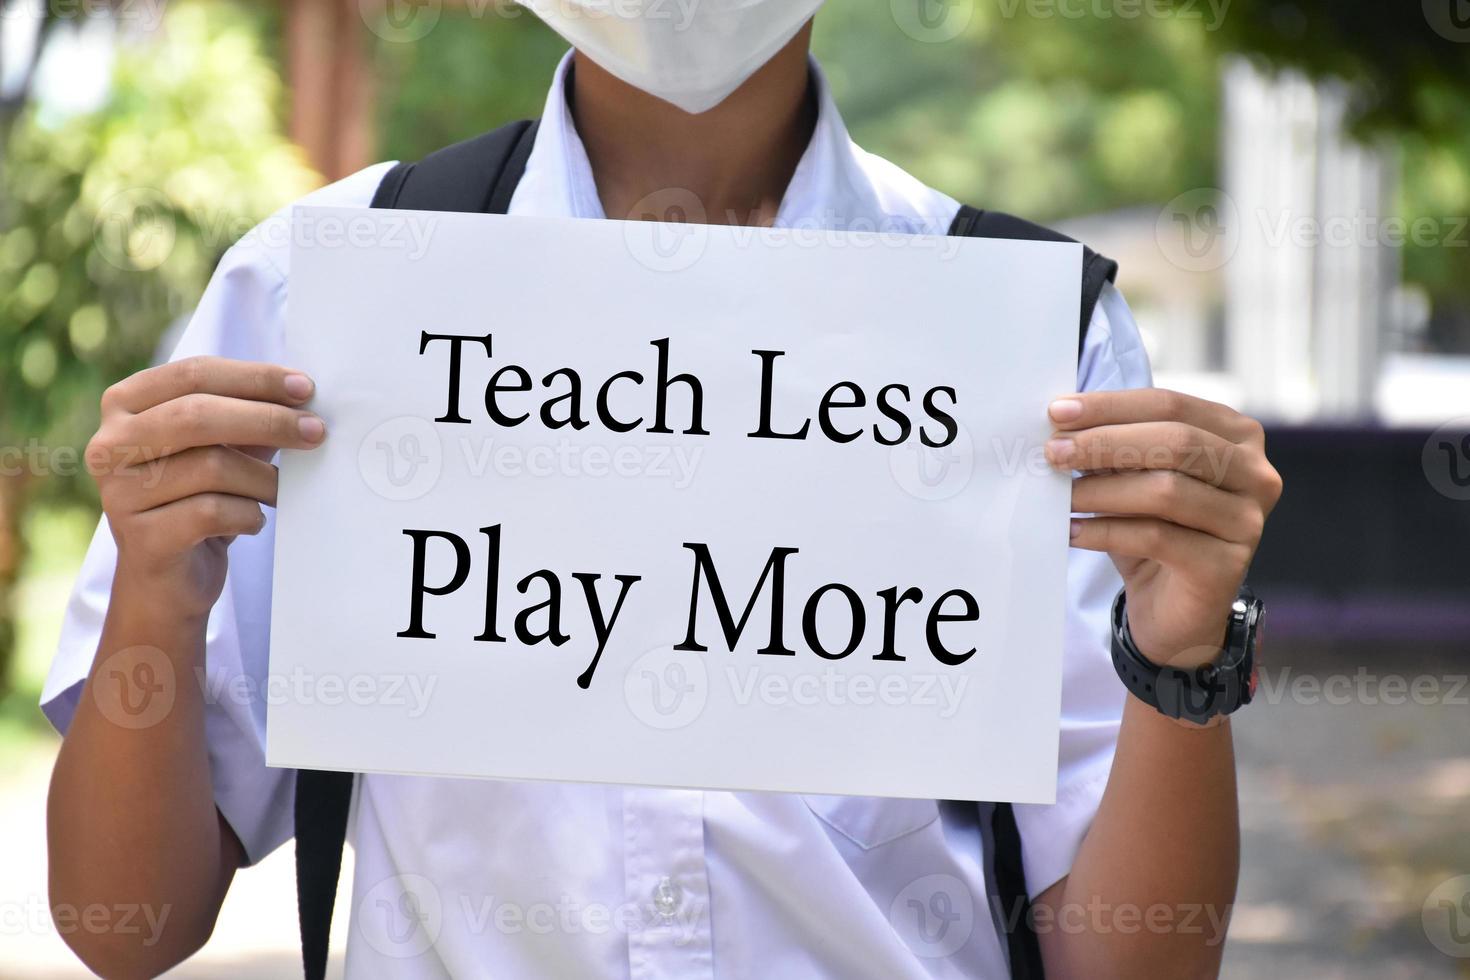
(298, 386)
(1065, 409)
(312, 428)
(1059, 450)
(1076, 527)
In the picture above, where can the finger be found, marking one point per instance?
(180, 525)
(1094, 408)
(249, 380)
(1192, 552)
(1152, 446)
(1173, 497)
(211, 420)
(206, 469)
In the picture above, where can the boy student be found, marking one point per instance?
(1130, 873)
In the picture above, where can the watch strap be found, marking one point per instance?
(1195, 694)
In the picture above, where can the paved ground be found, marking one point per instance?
(1353, 813)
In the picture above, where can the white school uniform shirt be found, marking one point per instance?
(482, 878)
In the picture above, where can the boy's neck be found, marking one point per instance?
(652, 160)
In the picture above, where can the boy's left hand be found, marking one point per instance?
(1182, 489)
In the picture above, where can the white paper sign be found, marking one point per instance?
(526, 553)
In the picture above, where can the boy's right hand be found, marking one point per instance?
(182, 460)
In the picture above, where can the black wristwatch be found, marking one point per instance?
(1200, 693)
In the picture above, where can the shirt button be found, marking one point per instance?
(666, 897)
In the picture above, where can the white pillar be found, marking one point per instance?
(1305, 288)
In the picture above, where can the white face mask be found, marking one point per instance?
(692, 53)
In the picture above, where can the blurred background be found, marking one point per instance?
(1286, 186)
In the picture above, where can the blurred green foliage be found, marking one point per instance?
(111, 222)
(114, 219)
(1045, 109)
(1434, 182)
(1042, 118)
(480, 66)
(1408, 62)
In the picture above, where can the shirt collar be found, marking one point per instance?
(828, 190)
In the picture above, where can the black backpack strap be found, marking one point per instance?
(322, 802)
(1022, 944)
(1097, 270)
(1006, 860)
(479, 174)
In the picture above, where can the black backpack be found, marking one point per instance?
(480, 175)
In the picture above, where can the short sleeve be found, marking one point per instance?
(1113, 358)
(241, 315)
